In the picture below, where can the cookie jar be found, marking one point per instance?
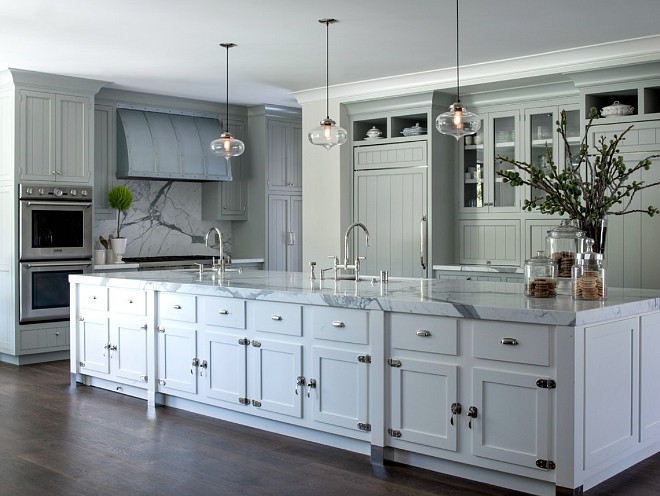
(588, 274)
(562, 243)
(540, 276)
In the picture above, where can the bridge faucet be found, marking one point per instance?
(221, 267)
(356, 265)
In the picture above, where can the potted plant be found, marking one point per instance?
(119, 198)
(589, 187)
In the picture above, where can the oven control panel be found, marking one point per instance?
(59, 192)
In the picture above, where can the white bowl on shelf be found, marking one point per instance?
(617, 109)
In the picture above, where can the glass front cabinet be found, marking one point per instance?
(482, 189)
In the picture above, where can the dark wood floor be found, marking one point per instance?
(85, 441)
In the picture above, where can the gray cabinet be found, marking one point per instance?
(284, 155)
(284, 229)
(105, 157)
(54, 137)
(228, 200)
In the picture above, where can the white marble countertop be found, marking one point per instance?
(451, 298)
(481, 268)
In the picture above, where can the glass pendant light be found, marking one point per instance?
(328, 133)
(226, 145)
(458, 121)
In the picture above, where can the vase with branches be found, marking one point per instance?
(590, 186)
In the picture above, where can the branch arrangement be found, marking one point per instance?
(589, 185)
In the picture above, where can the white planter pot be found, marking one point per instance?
(119, 248)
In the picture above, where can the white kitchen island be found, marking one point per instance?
(467, 378)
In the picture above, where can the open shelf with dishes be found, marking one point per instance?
(393, 128)
(624, 101)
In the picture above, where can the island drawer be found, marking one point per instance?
(93, 297)
(177, 306)
(424, 333)
(225, 312)
(128, 301)
(508, 342)
(280, 318)
(340, 324)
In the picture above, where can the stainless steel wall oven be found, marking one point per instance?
(55, 240)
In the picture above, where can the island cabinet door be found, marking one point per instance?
(511, 419)
(274, 371)
(422, 395)
(224, 366)
(93, 344)
(178, 363)
(649, 347)
(128, 351)
(340, 388)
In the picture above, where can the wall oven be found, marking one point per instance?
(55, 222)
(44, 289)
(55, 240)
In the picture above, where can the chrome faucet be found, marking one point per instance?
(221, 265)
(356, 264)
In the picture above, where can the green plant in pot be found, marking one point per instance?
(589, 187)
(119, 198)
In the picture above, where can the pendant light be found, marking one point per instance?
(327, 134)
(458, 121)
(226, 145)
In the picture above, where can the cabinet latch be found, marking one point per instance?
(144, 378)
(394, 432)
(364, 358)
(364, 427)
(161, 382)
(244, 341)
(545, 464)
(244, 401)
(256, 403)
(82, 364)
(546, 383)
(393, 363)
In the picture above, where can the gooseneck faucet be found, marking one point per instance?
(356, 264)
(221, 266)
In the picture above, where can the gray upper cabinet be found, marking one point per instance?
(55, 138)
(284, 156)
(105, 142)
(228, 200)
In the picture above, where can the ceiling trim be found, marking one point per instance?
(613, 54)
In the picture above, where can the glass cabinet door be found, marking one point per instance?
(473, 170)
(504, 137)
(572, 136)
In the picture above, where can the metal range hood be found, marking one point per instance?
(168, 146)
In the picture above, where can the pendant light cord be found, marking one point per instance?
(458, 88)
(327, 68)
(227, 107)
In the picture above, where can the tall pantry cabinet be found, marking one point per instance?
(274, 177)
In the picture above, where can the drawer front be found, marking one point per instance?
(128, 301)
(340, 324)
(280, 318)
(225, 312)
(424, 333)
(519, 343)
(93, 297)
(176, 306)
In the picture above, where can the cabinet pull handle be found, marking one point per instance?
(92, 297)
(276, 317)
(311, 385)
(177, 307)
(422, 240)
(423, 333)
(472, 413)
(222, 311)
(337, 323)
(509, 341)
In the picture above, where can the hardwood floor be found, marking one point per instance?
(55, 440)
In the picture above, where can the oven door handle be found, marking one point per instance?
(59, 203)
(56, 264)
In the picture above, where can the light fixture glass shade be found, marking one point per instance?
(458, 122)
(327, 134)
(227, 146)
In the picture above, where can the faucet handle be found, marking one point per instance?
(335, 259)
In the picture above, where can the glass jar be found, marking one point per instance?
(588, 274)
(562, 243)
(540, 276)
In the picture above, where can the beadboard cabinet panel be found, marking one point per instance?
(490, 241)
(397, 155)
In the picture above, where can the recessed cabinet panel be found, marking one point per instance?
(649, 346)
(509, 342)
(279, 318)
(424, 333)
(512, 422)
(413, 154)
(422, 395)
(129, 301)
(72, 134)
(93, 297)
(93, 344)
(37, 152)
(610, 395)
(226, 370)
(494, 242)
(225, 312)
(343, 325)
(177, 306)
(177, 356)
(129, 352)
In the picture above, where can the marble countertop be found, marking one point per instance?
(481, 268)
(452, 298)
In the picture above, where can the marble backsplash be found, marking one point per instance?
(164, 219)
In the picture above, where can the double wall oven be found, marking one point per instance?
(55, 240)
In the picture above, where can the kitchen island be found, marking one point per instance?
(469, 378)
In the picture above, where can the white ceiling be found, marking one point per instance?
(171, 46)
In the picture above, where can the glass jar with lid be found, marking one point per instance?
(562, 243)
(540, 276)
(588, 274)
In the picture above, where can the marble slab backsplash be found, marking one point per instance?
(165, 219)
